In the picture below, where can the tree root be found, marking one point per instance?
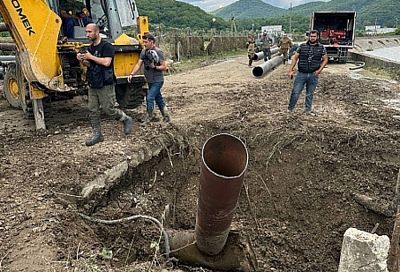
(126, 219)
(371, 204)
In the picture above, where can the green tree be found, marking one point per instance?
(175, 14)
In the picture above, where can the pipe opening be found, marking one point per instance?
(225, 155)
(258, 71)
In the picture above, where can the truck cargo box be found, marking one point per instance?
(336, 30)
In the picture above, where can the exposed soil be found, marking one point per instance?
(297, 199)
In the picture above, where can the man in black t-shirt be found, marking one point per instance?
(100, 76)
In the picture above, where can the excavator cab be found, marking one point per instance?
(111, 18)
(46, 66)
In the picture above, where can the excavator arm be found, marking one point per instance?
(44, 67)
(35, 29)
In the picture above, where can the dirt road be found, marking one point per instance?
(303, 171)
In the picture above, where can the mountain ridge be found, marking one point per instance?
(248, 8)
(382, 12)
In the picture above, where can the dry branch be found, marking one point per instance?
(372, 205)
(2, 259)
(133, 217)
(269, 193)
(253, 214)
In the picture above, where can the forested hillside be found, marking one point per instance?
(244, 9)
(175, 14)
(382, 12)
(252, 14)
(299, 23)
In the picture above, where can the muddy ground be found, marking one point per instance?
(296, 203)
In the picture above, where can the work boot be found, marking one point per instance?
(128, 123)
(96, 137)
(147, 118)
(165, 114)
(310, 112)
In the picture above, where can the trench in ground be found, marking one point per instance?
(295, 205)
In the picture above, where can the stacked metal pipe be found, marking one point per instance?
(267, 66)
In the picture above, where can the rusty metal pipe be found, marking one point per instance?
(224, 162)
(267, 66)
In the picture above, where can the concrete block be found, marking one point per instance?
(364, 252)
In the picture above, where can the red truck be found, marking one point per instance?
(336, 32)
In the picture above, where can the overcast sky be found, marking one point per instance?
(209, 5)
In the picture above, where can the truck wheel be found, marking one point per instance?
(130, 96)
(11, 87)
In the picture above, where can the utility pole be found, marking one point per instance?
(233, 25)
(290, 18)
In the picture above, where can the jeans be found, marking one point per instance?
(68, 27)
(154, 93)
(308, 79)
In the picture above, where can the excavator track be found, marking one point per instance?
(71, 68)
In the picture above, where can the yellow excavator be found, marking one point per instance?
(46, 68)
